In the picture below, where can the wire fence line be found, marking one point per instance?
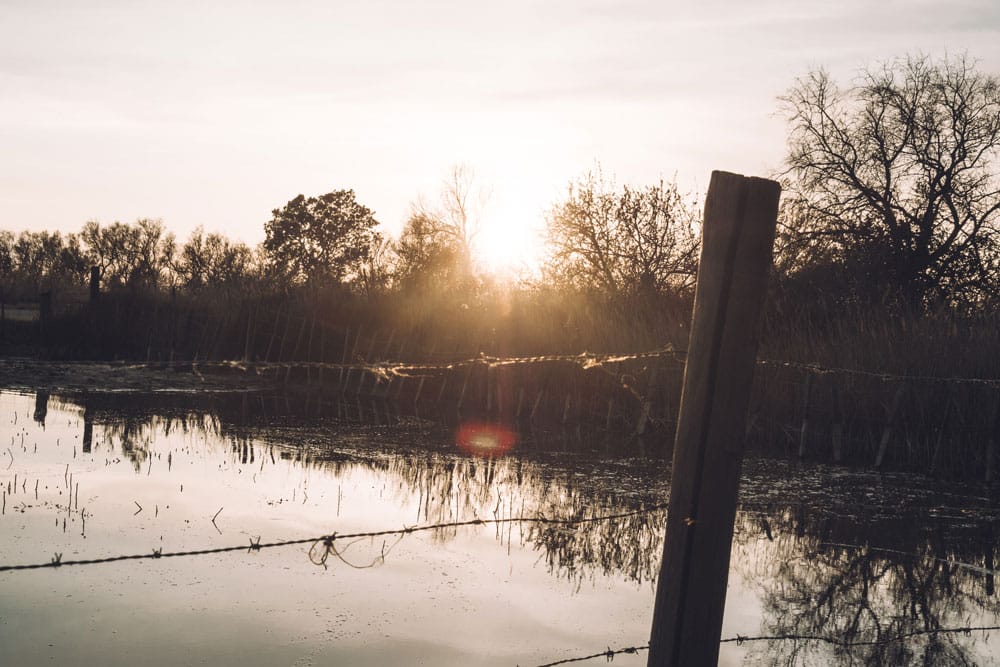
(586, 360)
(323, 546)
(609, 654)
(945, 424)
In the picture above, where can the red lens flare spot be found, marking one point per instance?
(483, 439)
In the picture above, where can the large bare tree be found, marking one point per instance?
(898, 173)
(637, 240)
(436, 244)
(129, 254)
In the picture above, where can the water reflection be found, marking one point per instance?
(820, 552)
(41, 407)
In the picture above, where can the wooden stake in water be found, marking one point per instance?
(890, 424)
(738, 236)
(804, 429)
(991, 440)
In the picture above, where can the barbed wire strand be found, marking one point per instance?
(609, 654)
(947, 561)
(323, 545)
(587, 360)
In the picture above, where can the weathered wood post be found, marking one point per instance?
(95, 284)
(804, 429)
(44, 312)
(737, 242)
(991, 439)
(891, 412)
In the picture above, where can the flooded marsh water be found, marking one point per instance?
(820, 553)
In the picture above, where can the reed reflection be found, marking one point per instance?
(823, 559)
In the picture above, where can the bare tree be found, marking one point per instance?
(41, 260)
(213, 260)
(374, 276)
(455, 219)
(897, 173)
(130, 254)
(426, 256)
(638, 240)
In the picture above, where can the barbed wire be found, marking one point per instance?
(388, 369)
(324, 545)
(947, 561)
(586, 360)
(818, 369)
(609, 654)
(739, 640)
(846, 643)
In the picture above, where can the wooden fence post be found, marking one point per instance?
(249, 335)
(343, 362)
(95, 284)
(837, 433)
(991, 439)
(804, 429)
(738, 237)
(890, 424)
(647, 401)
(44, 312)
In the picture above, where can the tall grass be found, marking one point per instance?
(854, 356)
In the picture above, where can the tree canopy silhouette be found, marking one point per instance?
(320, 240)
(895, 176)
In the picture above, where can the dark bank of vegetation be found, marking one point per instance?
(887, 262)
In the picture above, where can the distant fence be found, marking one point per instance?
(937, 425)
(940, 425)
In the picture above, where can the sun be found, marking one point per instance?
(509, 249)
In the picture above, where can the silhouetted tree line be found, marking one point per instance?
(891, 205)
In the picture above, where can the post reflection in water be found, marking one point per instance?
(41, 407)
(88, 431)
(817, 552)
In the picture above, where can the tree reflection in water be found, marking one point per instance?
(826, 556)
(903, 580)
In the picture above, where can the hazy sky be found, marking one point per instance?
(213, 113)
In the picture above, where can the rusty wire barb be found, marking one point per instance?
(323, 546)
(608, 655)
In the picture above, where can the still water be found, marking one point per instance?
(822, 552)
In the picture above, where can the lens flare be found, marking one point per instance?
(483, 439)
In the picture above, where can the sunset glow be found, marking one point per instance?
(211, 116)
(510, 249)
